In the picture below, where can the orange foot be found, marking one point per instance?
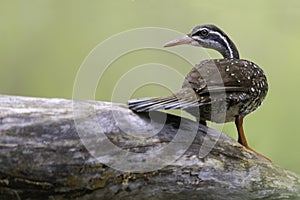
(259, 154)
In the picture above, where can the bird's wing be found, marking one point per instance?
(213, 76)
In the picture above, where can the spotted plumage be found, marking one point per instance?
(237, 87)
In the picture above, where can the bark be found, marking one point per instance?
(64, 149)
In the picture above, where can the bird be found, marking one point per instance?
(217, 90)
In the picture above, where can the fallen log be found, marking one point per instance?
(65, 149)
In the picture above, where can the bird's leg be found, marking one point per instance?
(241, 135)
(239, 125)
(203, 122)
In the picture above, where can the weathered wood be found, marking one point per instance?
(44, 154)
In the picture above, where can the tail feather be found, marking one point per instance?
(162, 103)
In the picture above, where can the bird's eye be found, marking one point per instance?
(203, 32)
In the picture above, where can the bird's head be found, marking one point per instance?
(208, 36)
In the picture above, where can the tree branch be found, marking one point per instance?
(60, 149)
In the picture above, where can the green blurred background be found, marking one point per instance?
(43, 44)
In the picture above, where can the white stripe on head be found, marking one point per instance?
(226, 42)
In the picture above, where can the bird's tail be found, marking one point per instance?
(176, 101)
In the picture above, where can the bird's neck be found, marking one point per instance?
(226, 47)
(230, 53)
